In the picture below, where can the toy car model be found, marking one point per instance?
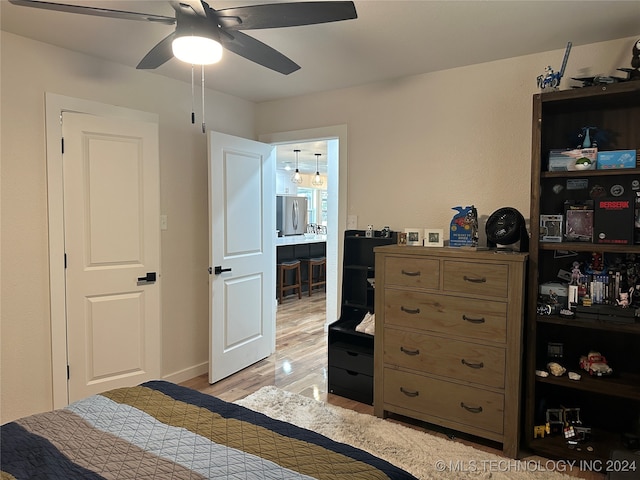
(595, 364)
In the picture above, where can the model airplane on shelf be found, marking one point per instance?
(633, 73)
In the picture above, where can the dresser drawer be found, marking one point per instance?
(351, 357)
(437, 398)
(478, 319)
(412, 272)
(476, 278)
(465, 361)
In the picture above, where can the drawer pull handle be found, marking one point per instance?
(351, 373)
(409, 393)
(473, 320)
(410, 352)
(411, 274)
(475, 280)
(412, 311)
(471, 409)
(473, 365)
(352, 354)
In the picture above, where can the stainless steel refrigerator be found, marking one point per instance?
(291, 214)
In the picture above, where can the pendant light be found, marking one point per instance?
(317, 179)
(296, 177)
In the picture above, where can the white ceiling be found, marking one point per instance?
(286, 158)
(389, 39)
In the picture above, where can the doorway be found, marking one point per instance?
(55, 105)
(336, 154)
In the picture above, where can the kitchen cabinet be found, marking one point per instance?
(448, 345)
(608, 406)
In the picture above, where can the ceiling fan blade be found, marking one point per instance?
(276, 15)
(258, 52)
(98, 12)
(158, 55)
(189, 7)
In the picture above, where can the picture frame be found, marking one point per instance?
(402, 239)
(414, 236)
(434, 237)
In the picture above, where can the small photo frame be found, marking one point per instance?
(402, 238)
(414, 236)
(433, 237)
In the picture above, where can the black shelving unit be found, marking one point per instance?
(350, 352)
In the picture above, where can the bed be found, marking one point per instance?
(162, 430)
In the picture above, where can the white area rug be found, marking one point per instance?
(423, 455)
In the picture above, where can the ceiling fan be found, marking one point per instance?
(214, 29)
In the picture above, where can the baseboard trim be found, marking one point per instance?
(187, 374)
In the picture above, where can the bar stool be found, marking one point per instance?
(283, 268)
(321, 279)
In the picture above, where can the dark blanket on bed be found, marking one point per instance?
(161, 430)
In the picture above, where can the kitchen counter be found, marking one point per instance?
(300, 239)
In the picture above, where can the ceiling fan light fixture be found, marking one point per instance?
(197, 50)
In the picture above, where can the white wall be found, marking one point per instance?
(29, 69)
(417, 147)
(420, 145)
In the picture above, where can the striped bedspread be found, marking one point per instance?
(160, 430)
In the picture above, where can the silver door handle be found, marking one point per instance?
(294, 215)
(149, 278)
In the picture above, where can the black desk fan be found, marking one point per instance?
(506, 230)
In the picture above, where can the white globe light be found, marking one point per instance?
(196, 50)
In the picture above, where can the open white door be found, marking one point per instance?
(242, 253)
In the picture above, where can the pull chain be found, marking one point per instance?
(203, 124)
(193, 113)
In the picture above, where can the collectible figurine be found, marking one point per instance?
(585, 135)
(634, 71)
(551, 78)
(575, 272)
(595, 364)
(591, 137)
(472, 219)
(625, 298)
(541, 430)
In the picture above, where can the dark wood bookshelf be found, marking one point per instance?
(609, 405)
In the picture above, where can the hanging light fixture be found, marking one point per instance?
(296, 177)
(317, 179)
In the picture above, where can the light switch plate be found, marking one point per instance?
(352, 222)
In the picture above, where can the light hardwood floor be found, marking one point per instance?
(300, 366)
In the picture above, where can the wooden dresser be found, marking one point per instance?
(448, 342)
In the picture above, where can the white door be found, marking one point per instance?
(112, 249)
(242, 253)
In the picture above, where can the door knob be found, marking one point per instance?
(150, 277)
(218, 269)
